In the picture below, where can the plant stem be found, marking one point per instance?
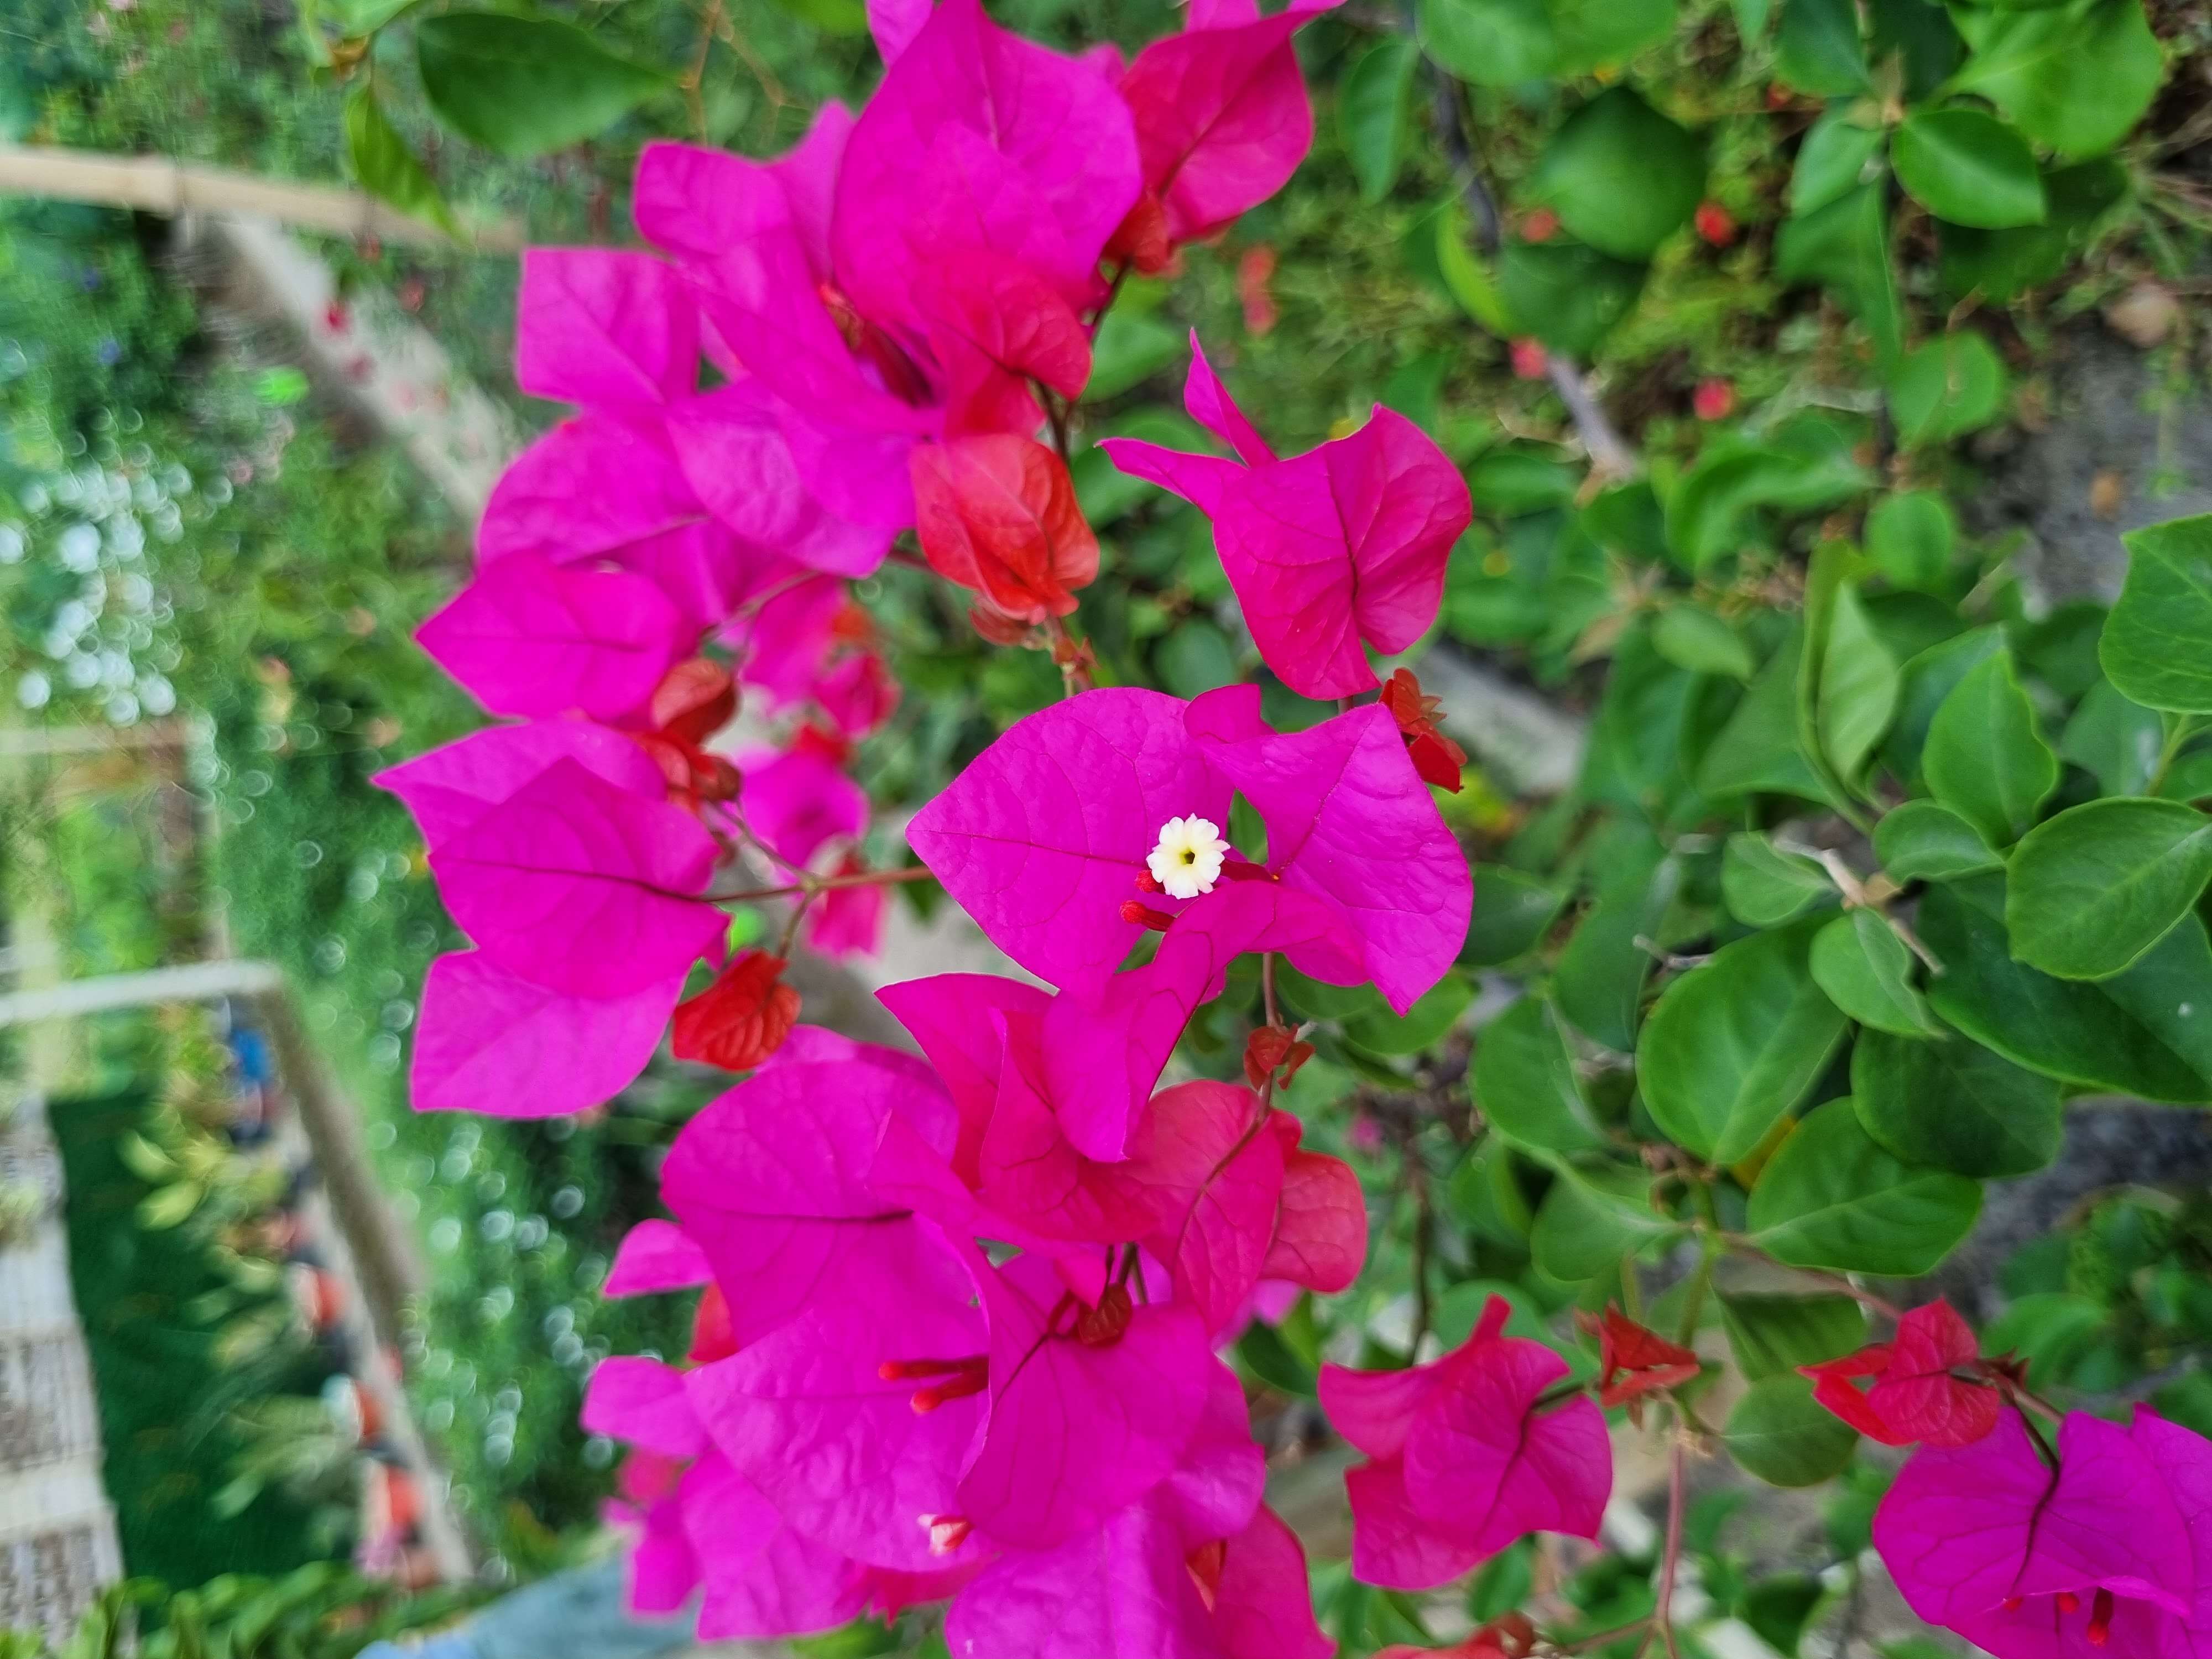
(1662, 1615)
(1267, 987)
(811, 885)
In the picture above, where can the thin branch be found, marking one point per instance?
(1663, 1616)
(811, 885)
(1609, 452)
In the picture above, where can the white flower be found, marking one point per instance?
(1188, 860)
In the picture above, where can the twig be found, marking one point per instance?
(1424, 1229)
(1662, 1615)
(1267, 987)
(811, 885)
(1609, 452)
(1881, 1306)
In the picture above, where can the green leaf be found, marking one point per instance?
(1525, 1084)
(1763, 886)
(2050, 1330)
(1835, 158)
(1925, 841)
(1830, 1198)
(1858, 686)
(1370, 113)
(1772, 1334)
(1600, 979)
(2076, 77)
(1985, 758)
(1570, 297)
(1779, 1434)
(2190, 778)
(1621, 176)
(1954, 1105)
(1779, 1608)
(1709, 509)
(2096, 887)
(1262, 1351)
(2001, 263)
(1596, 34)
(1968, 167)
(1757, 751)
(1485, 1193)
(1867, 971)
(169, 1206)
(1732, 1046)
(1928, 678)
(1946, 389)
(2157, 645)
(1592, 1218)
(1513, 480)
(386, 167)
(522, 86)
(1423, 1025)
(831, 16)
(1693, 638)
(2142, 1032)
(1845, 244)
(1491, 43)
(1131, 347)
(1512, 914)
(1819, 49)
(1465, 278)
(1195, 658)
(1314, 999)
(1911, 537)
(2115, 739)
(1920, 37)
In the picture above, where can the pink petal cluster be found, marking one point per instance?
(2100, 1544)
(882, 1415)
(1343, 546)
(1466, 1454)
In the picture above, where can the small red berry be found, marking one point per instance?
(1715, 224)
(1714, 399)
(1529, 360)
(1539, 225)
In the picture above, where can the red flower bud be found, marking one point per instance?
(1715, 224)
(1529, 360)
(1714, 399)
(1141, 238)
(741, 1019)
(1538, 225)
(695, 700)
(1102, 1327)
(1271, 1047)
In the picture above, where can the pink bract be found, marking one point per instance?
(1222, 115)
(529, 637)
(1462, 1461)
(488, 1040)
(598, 327)
(580, 886)
(1988, 1540)
(1344, 544)
(450, 788)
(655, 1255)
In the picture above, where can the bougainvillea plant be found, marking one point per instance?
(962, 1313)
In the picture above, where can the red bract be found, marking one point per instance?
(1438, 760)
(1715, 224)
(1929, 1384)
(998, 515)
(1633, 1360)
(1272, 1047)
(741, 1019)
(696, 699)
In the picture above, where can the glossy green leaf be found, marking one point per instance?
(1371, 113)
(1131, 347)
(1765, 887)
(1599, 978)
(1422, 1026)
(1485, 1193)
(1947, 388)
(1911, 537)
(1597, 34)
(1466, 277)
(1757, 751)
(1830, 1198)
(1953, 1104)
(1525, 1084)
(1858, 686)
(1928, 678)
(1771, 1334)
(1969, 167)
(522, 86)
(2157, 645)
(2075, 77)
(1492, 43)
(385, 167)
(1867, 972)
(1621, 176)
(1262, 1351)
(2001, 263)
(1819, 49)
(2094, 888)
(1779, 1435)
(1837, 157)
(1693, 638)
(1592, 1217)
(1985, 758)
(831, 16)
(1314, 999)
(1568, 296)
(1734, 1045)
(2142, 1032)
(1711, 510)
(1195, 658)
(1512, 914)
(1926, 840)
(2115, 739)
(1844, 245)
